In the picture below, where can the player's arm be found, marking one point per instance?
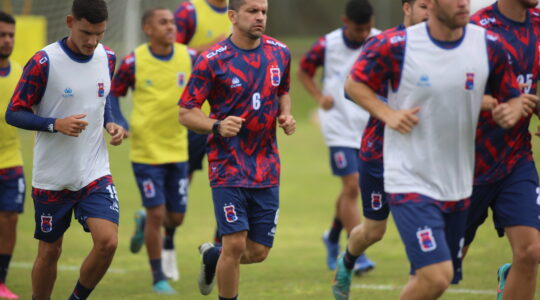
(307, 70)
(198, 89)
(29, 91)
(112, 114)
(376, 67)
(285, 117)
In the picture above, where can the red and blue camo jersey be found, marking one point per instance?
(186, 22)
(371, 147)
(498, 150)
(246, 84)
(380, 64)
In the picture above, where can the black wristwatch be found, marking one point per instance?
(215, 127)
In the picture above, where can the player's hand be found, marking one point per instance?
(72, 125)
(509, 113)
(529, 103)
(403, 120)
(288, 124)
(488, 103)
(117, 132)
(326, 102)
(231, 126)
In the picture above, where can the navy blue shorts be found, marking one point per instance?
(514, 200)
(371, 181)
(163, 184)
(12, 189)
(53, 209)
(247, 209)
(432, 231)
(344, 160)
(197, 144)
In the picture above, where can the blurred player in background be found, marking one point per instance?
(342, 121)
(437, 74)
(62, 95)
(506, 177)
(246, 81)
(375, 204)
(201, 24)
(12, 187)
(157, 72)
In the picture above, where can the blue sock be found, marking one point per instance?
(157, 271)
(80, 292)
(168, 240)
(233, 298)
(349, 260)
(333, 235)
(4, 265)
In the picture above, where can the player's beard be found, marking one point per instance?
(451, 22)
(6, 54)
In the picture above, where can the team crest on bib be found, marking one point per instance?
(101, 89)
(46, 223)
(181, 79)
(230, 213)
(275, 75)
(426, 239)
(469, 82)
(376, 201)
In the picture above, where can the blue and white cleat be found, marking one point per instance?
(207, 274)
(502, 273)
(163, 287)
(342, 281)
(332, 251)
(363, 265)
(137, 240)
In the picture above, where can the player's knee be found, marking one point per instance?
(438, 279)
(9, 218)
(107, 246)
(375, 235)
(50, 252)
(351, 191)
(529, 255)
(175, 220)
(258, 255)
(234, 248)
(155, 216)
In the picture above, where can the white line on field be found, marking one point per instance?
(382, 287)
(27, 265)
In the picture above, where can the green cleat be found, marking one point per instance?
(342, 281)
(502, 273)
(137, 240)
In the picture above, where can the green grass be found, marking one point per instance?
(295, 268)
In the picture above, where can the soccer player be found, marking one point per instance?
(246, 81)
(201, 24)
(62, 95)
(506, 177)
(12, 187)
(157, 72)
(375, 205)
(438, 72)
(342, 121)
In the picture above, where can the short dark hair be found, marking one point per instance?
(359, 11)
(6, 18)
(150, 13)
(94, 11)
(411, 2)
(235, 4)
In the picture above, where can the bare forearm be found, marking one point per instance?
(367, 99)
(285, 104)
(196, 120)
(310, 85)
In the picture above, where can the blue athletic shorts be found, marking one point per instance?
(344, 160)
(371, 181)
(255, 210)
(163, 184)
(197, 144)
(12, 189)
(514, 200)
(432, 231)
(53, 209)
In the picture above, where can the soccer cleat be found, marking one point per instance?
(163, 287)
(332, 251)
(207, 273)
(5, 293)
(168, 263)
(342, 281)
(137, 240)
(502, 273)
(363, 265)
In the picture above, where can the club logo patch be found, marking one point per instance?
(181, 79)
(376, 201)
(469, 82)
(46, 223)
(230, 213)
(426, 239)
(275, 75)
(340, 159)
(101, 89)
(149, 189)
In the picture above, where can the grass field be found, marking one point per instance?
(295, 268)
